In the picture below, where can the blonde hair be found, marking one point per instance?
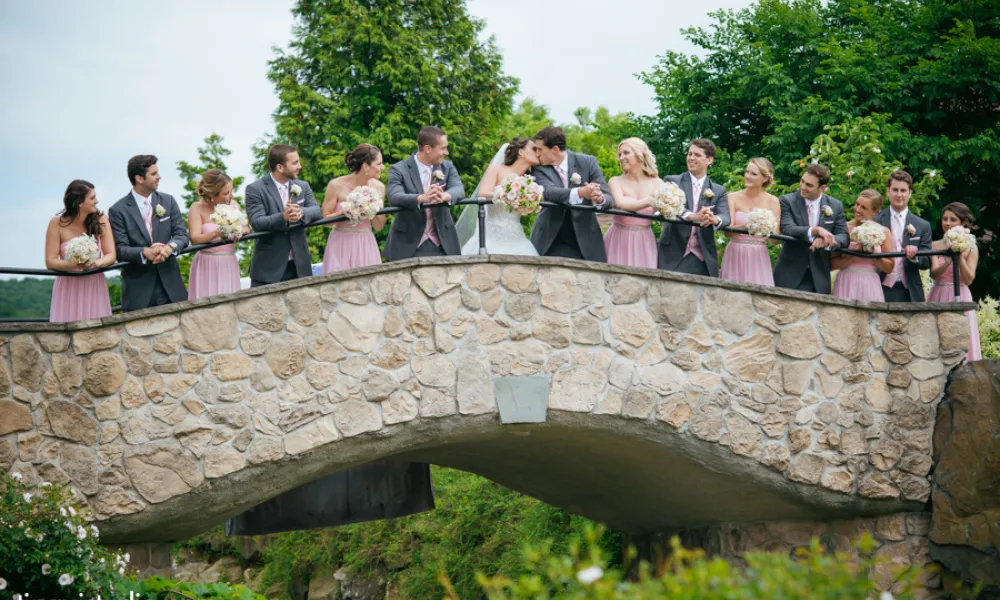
(766, 169)
(874, 198)
(213, 181)
(647, 162)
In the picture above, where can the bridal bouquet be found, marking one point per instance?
(669, 200)
(82, 250)
(869, 235)
(362, 204)
(960, 239)
(231, 221)
(761, 222)
(520, 194)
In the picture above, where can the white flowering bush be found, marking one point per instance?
(989, 327)
(49, 548)
(82, 250)
(960, 239)
(869, 235)
(669, 200)
(362, 204)
(761, 222)
(231, 221)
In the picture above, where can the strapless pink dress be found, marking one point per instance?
(944, 291)
(214, 271)
(351, 246)
(746, 259)
(630, 241)
(79, 298)
(860, 280)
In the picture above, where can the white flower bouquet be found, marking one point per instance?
(669, 200)
(960, 239)
(362, 204)
(82, 250)
(761, 222)
(231, 221)
(869, 235)
(521, 195)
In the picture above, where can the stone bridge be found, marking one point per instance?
(647, 400)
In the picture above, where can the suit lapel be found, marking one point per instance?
(799, 207)
(414, 171)
(571, 167)
(687, 186)
(272, 189)
(154, 219)
(136, 214)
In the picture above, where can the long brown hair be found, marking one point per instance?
(76, 193)
(961, 211)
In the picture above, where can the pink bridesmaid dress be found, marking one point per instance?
(630, 241)
(351, 246)
(214, 270)
(746, 259)
(79, 298)
(859, 280)
(944, 291)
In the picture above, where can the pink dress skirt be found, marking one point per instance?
(860, 280)
(746, 258)
(351, 246)
(630, 241)
(214, 271)
(79, 298)
(944, 291)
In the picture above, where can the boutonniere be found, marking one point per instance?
(708, 194)
(575, 179)
(910, 229)
(295, 190)
(827, 211)
(439, 175)
(160, 211)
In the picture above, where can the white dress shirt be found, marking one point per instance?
(145, 210)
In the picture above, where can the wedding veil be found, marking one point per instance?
(467, 225)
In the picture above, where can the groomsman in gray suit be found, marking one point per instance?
(281, 204)
(568, 178)
(818, 224)
(424, 185)
(149, 229)
(691, 249)
(911, 234)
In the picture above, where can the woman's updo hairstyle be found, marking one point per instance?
(213, 181)
(363, 155)
(513, 148)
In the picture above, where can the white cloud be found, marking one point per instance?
(88, 85)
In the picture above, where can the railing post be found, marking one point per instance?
(482, 228)
(955, 279)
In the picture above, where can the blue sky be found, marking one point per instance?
(89, 84)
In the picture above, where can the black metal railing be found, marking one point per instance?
(482, 203)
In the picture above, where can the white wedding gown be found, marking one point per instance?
(504, 234)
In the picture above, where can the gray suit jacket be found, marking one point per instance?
(674, 237)
(796, 257)
(550, 219)
(131, 236)
(264, 211)
(408, 224)
(922, 240)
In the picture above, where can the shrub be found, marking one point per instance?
(989, 327)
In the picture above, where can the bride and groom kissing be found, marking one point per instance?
(425, 186)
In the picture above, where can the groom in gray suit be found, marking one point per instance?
(910, 234)
(149, 229)
(690, 248)
(568, 178)
(817, 221)
(281, 204)
(424, 186)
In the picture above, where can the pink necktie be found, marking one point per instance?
(897, 268)
(430, 228)
(149, 218)
(694, 244)
(562, 175)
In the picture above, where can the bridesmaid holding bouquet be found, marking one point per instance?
(352, 243)
(213, 218)
(79, 239)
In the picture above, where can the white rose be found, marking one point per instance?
(439, 175)
(295, 190)
(65, 579)
(46, 569)
(589, 575)
(160, 211)
(575, 179)
(3, 583)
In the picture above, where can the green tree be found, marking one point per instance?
(771, 78)
(211, 155)
(367, 71)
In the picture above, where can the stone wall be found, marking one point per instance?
(139, 411)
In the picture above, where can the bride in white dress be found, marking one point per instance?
(504, 234)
